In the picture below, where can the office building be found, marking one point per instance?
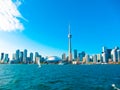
(2, 56)
(75, 54)
(31, 57)
(114, 55)
(17, 55)
(36, 57)
(25, 56)
(87, 57)
(106, 53)
(94, 59)
(81, 55)
(99, 58)
(21, 57)
(104, 56)
(64, 57)
(6, 60)
(118, 54)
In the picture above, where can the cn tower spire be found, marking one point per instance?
(69, 29)
(69, 44)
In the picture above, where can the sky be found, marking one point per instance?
(42, 25)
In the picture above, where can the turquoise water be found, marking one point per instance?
(59, 77)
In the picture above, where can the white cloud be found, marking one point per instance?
(10, 15)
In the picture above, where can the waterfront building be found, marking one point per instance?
(81, 55)
(17, 55)
(21, 57)
(37, 60)
(118, 53)
(94, 59)
(84, 60)
(104, 56)
(69, 45)
(116, 48)
(114, 55)
(99, 58)
(13, 56)
(109, 54)
(31, 57)
(106, 53)
(53, 60)
(75, 54)
(2, 56)
(25, 56)
(36, 55)
(87, 57)
(6, 60)
(64, 57)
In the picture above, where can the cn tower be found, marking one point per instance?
(69, 45)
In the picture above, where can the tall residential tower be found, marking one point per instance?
(69, 45)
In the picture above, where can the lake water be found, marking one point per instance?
(59, 77)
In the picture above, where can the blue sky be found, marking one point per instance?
(44, 26)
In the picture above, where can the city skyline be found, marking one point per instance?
(43, 25)
(107, 56)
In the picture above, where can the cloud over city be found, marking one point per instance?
(10, 15)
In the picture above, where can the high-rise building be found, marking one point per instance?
(81, 55)
(17, 55)
(31, 57)
(87, 57)
(69, 46)
(25, 56)
(37, 60)
(106, 53)
(13, 56)
(75, 54)
(104, 49)
(94, 58)
(36, 56)
(118, 54)
(99, 58)
(114, 55)
(6, 60)
(63, 56)
(2, 56)
(21, 57)
(104, 57)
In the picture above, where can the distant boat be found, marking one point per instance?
(39, 64)
(60, 63)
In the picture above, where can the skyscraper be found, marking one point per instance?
(114, 55)
(94, 58)
(64, 56)
(104, 57)
(21, 57)
(75, 54)
(31, 57)
(69, 45)
(81, 55)
(2, 56)
(25, 56)
(99, 58)
(17, 55)
(36, 57)
(6, 60)
(118, 53)
(87, 57)
(106, 53)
